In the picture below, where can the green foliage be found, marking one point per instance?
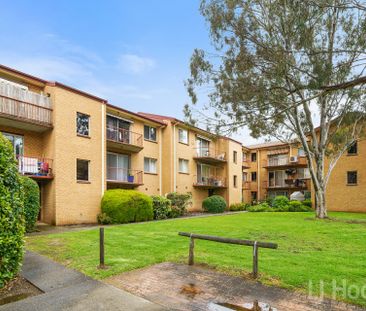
(262, 207)
(11, 214)
(297, 206)
(239, 207)
(214, 204)
(174, 212)
(280, 202)
(31, 202)
(180, 200)
(104, 219)
(307, 203)
(162, 207)
(124, 206)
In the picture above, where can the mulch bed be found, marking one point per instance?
(17, 289)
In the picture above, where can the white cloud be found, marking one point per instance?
(134, 64)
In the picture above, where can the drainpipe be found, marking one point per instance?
(160, 161)
(175, 161)
(103, 145)
(258, 175)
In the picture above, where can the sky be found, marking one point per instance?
(135, 54)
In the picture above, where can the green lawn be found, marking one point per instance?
(309, 249)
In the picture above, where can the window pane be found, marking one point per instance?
(183, 166)
(254, 157)
(153, 133)
(150, 133)
(183, 136)
(353, 149)
(146, 132)
(82, 124)
(82, 170)
(352, 178)
(150, 165)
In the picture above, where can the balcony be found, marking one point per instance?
(283, 162)
(124, 178)
(246, 163)
(24, 109)
(123, 140)
(209, 156)
(246, 185)
(212, 182)
(35, 167)
(288, 184)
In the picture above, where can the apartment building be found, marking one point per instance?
(77, 145)
(199, 162)
(273, 169)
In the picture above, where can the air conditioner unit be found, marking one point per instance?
(293, 159)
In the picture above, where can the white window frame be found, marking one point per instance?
(182, 141)
(181, 170)
(152, 165)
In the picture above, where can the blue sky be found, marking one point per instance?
(133, 53)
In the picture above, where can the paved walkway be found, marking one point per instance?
(183, 287)
(66, 289)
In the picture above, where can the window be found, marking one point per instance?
(353, 149)
(253, 157)
(183, 136)
(82, 170)
(235, 157)
(301, 152)
(303, 173)
(254, 176)
(235, 181)
(17, 142)
(203, 147)
(352, 178)
(82, 124)
(245, 176)
(277, 178)
(149, 133)
(150, 165)
(118, 166)
(183, 166)
(244, 156)
(118, 130)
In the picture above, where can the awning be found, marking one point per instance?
(278, 151)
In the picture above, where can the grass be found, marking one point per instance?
(309, 250)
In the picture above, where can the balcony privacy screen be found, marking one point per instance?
(20, 103)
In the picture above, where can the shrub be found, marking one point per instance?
(174, 212)
(124, 206)
(31, 202)
(239, 207)
(297, 206)
(280, 202)
(263, 207)
(307, 203)
(104, 219)
(214, 204)
(11, 214)
(162, 207)
(180, 200)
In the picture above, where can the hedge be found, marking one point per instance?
(162, 207)
(214, 204)
(123, 206)
(180, 202)
(31, 202)
(11, 214)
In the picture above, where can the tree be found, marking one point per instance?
(282, 67)
(11, 214)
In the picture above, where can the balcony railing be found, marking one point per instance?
(36, 167)
(209, 181)
(288, 184)
(121, 175)
(284, 161)
(209, 155)
(246, 185)
(246, 163)
(22, 104)
(124, 136)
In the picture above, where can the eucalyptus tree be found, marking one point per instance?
(289, 69)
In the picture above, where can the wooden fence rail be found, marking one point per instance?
(255, 244)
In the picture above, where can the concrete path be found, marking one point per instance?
(66, 289)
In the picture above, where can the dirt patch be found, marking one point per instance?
(17, 289)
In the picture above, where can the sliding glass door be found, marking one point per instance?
(118, 166)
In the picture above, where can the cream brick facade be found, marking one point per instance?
(219, 166)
